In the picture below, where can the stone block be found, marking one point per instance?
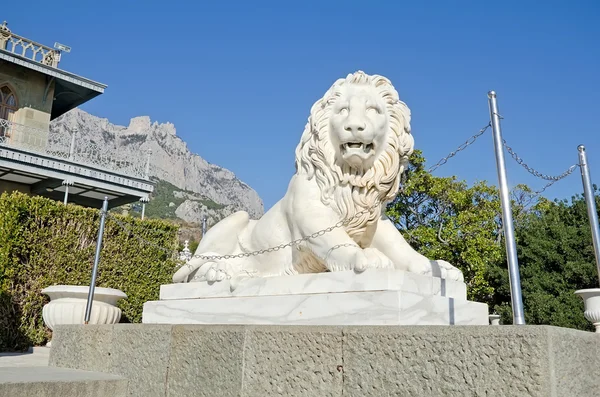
(319, 283)
(82, 347)
(572, 354)
(141, 353)
(293, 361)
(374, 297)
(206, 361)
(469, 361)
(249, 361)
(347, 308)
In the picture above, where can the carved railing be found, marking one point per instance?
(27, 48)
(72, 147)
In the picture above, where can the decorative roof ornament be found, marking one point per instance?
(4, 30)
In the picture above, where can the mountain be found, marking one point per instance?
(188, 187)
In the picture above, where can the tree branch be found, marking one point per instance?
(439, 234)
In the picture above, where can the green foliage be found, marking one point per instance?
(159, 208)
(443, 218)
(556, 258)
(43, 243)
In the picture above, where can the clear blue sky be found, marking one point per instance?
(238, 78)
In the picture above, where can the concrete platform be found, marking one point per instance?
(59, 382)
(333, 361)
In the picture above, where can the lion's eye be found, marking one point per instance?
(343, 111)
(372, 110)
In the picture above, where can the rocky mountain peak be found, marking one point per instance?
(140, 124)
(143, 125)
(171, 160)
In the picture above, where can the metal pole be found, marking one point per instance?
(72, 149)
(66, 193)
(144, 201)
(71, 157)
(203, 226)
(147, 174)
(507, 221)
(590, 201)
(88, 309)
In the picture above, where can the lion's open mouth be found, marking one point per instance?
(356, 146)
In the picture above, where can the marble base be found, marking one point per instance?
(375, 297)
(319, 283)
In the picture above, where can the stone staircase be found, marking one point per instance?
(53, 382)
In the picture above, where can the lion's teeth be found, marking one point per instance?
(357, 145)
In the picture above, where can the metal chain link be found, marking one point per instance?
(532, 171)
(319, 233)
(128, 229)
(341, 223)
(469, 142)
(546, 186)
(568, 172)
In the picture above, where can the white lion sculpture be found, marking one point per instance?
(351, 155)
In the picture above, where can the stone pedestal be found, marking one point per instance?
(374, 297)
(334, 361)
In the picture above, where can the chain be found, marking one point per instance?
(329, 229)
(568, 172)
(128, 229)
(532, 171)
(469, 142)
(319, 233)
(339, 224)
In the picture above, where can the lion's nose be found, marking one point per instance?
(354, 125)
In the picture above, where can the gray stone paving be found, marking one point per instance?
(35, 357)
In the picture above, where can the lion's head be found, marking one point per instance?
(356, 144)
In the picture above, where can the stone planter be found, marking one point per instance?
(591, 301)
(67, 305)
(494, 319)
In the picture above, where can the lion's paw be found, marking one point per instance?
(378, 259)
(371, 258)
(449, 272)
(215, 271)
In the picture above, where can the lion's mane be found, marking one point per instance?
(350, 191)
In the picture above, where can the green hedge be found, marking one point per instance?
(43, 243)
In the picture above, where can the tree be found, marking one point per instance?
(556, 258)
(445, 219)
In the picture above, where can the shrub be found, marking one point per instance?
(43, 243)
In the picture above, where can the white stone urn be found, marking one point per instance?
(591, 301)
(494, 319)
(67, 305)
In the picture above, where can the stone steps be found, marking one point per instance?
(59, 382)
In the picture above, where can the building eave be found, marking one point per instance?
(77, 89)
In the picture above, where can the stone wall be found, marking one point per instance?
(197, 360)
(30, 87)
